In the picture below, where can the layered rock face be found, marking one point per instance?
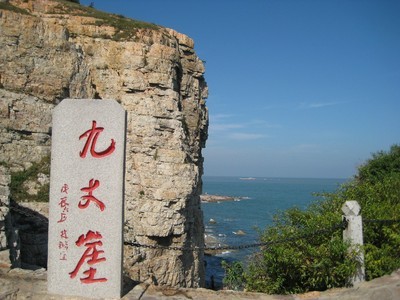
(48, 54)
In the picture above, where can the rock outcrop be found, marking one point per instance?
(55, 49)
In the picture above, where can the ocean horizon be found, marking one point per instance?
(257, 200)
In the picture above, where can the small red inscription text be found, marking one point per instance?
(64, 205)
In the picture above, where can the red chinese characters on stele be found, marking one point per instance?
(93, 254)
(86, 199)
(92, 240)
(92, 135)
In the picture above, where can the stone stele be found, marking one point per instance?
(86, 199)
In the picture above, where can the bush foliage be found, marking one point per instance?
(324, 261)
(19, 193)
(9, 6)
(125, 28)
(233, 279)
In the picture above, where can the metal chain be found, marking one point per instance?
(341, 225)
(320, 232)
(177, 248)
(381, 221)
(25, 213)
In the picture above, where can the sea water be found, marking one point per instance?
(258, 200)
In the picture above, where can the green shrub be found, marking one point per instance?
(10, 7)
(324, 261)
(379, 200)
(318, 261)
(18, 192)
(125, 28)
(234, 275)
(381, 165)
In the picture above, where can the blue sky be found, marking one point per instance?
(297, 88)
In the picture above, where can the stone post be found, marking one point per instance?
(354, 234)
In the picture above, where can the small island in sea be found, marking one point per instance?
(247, 178)
(219, 198)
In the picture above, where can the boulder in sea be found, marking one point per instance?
(240, 232)
(212, 221)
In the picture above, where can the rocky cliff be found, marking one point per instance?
(54, 49)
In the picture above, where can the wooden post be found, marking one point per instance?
(354, 234)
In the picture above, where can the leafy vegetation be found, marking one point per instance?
(316, 263)
(9, 6)
(18, 192)
(234, 279)
(125, 27)
(324, 261)
(381, 165)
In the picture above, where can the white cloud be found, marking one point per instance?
(224, 127)
(318, 104)
(218, 117)
(303, 105)
(303, 148)
(263, 124)
(221, 122)
(241, 136)
(306, 146)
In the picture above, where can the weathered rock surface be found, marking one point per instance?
(51, 50)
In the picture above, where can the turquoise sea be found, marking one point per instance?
(260, 198)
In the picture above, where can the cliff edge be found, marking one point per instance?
(55, 49)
